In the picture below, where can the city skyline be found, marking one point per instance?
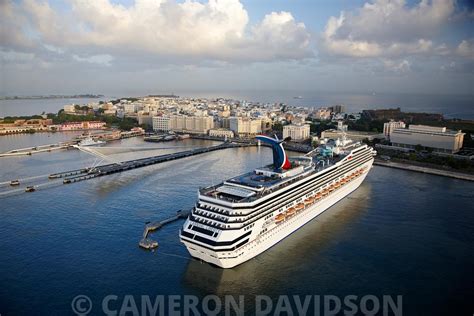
(138, 47)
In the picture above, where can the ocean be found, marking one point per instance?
(400, 234)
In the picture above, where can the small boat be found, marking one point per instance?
(30, 189)
(318, 196)
(89, 141)
(299, 206)
(14, 182)
(291, 211)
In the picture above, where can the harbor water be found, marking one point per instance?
(400, 233)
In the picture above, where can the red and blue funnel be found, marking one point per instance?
(280, 159)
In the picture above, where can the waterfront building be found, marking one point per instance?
(221, 132)
(438, 139)
(296, 132)
(245, 126)
(183, 123)
(24, 126)
(390, 126)
(161, 123)
(75, 126)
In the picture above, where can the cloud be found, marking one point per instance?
(466, 49)
(386, 28)
(104, 60)
(168, 29)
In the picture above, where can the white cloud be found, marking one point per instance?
(103, 60)
(400, 67)
(217, 29)
(386, 28)
(466, 49)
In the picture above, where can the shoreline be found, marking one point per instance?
(427, 170)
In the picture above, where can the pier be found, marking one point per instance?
(89, 173)
(72, 176)
(28, 151)
(147, 243)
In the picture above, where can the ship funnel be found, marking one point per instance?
(280, 159)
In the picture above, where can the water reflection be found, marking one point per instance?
(266, 272)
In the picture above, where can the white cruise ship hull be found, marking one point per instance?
(275, 232)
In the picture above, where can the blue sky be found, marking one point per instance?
(143, 46)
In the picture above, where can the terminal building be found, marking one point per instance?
(438, 139)
(183, 123)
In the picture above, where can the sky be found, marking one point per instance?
(137, 47)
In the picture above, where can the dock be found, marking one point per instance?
(99, 171)
(427, 170)
(28, 151)
(149, 244)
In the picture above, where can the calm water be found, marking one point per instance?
(452, 106)
(400, 233)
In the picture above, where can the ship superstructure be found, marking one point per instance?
(241, 217)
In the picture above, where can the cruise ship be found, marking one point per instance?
(240, 218)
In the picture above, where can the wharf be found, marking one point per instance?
(438, 172)
(89, 173)
(148, 243)
(37, 149)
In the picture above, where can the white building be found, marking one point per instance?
(183, 123)
(221, 132)
(69, 108)
(245, 127)
(390, 126)
(130, 108)
(296, 132)
(436, 138)
(161, 123)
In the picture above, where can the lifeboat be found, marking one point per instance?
(318, 196)
(343, 181)
(299, 206)
(279, 218)
(337, 185)
(291, 211)
(331, 188)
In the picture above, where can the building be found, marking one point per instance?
(353, 135)
(390, 126)
(75, 126)
(25, 126)
(69, 108)
(145, 119)
(161, 123)
(183, 123)
(322, 114)
(130, 108)
(338, 108)
(221, 132)
(245, 126)
(438, 139)
(296, 132)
